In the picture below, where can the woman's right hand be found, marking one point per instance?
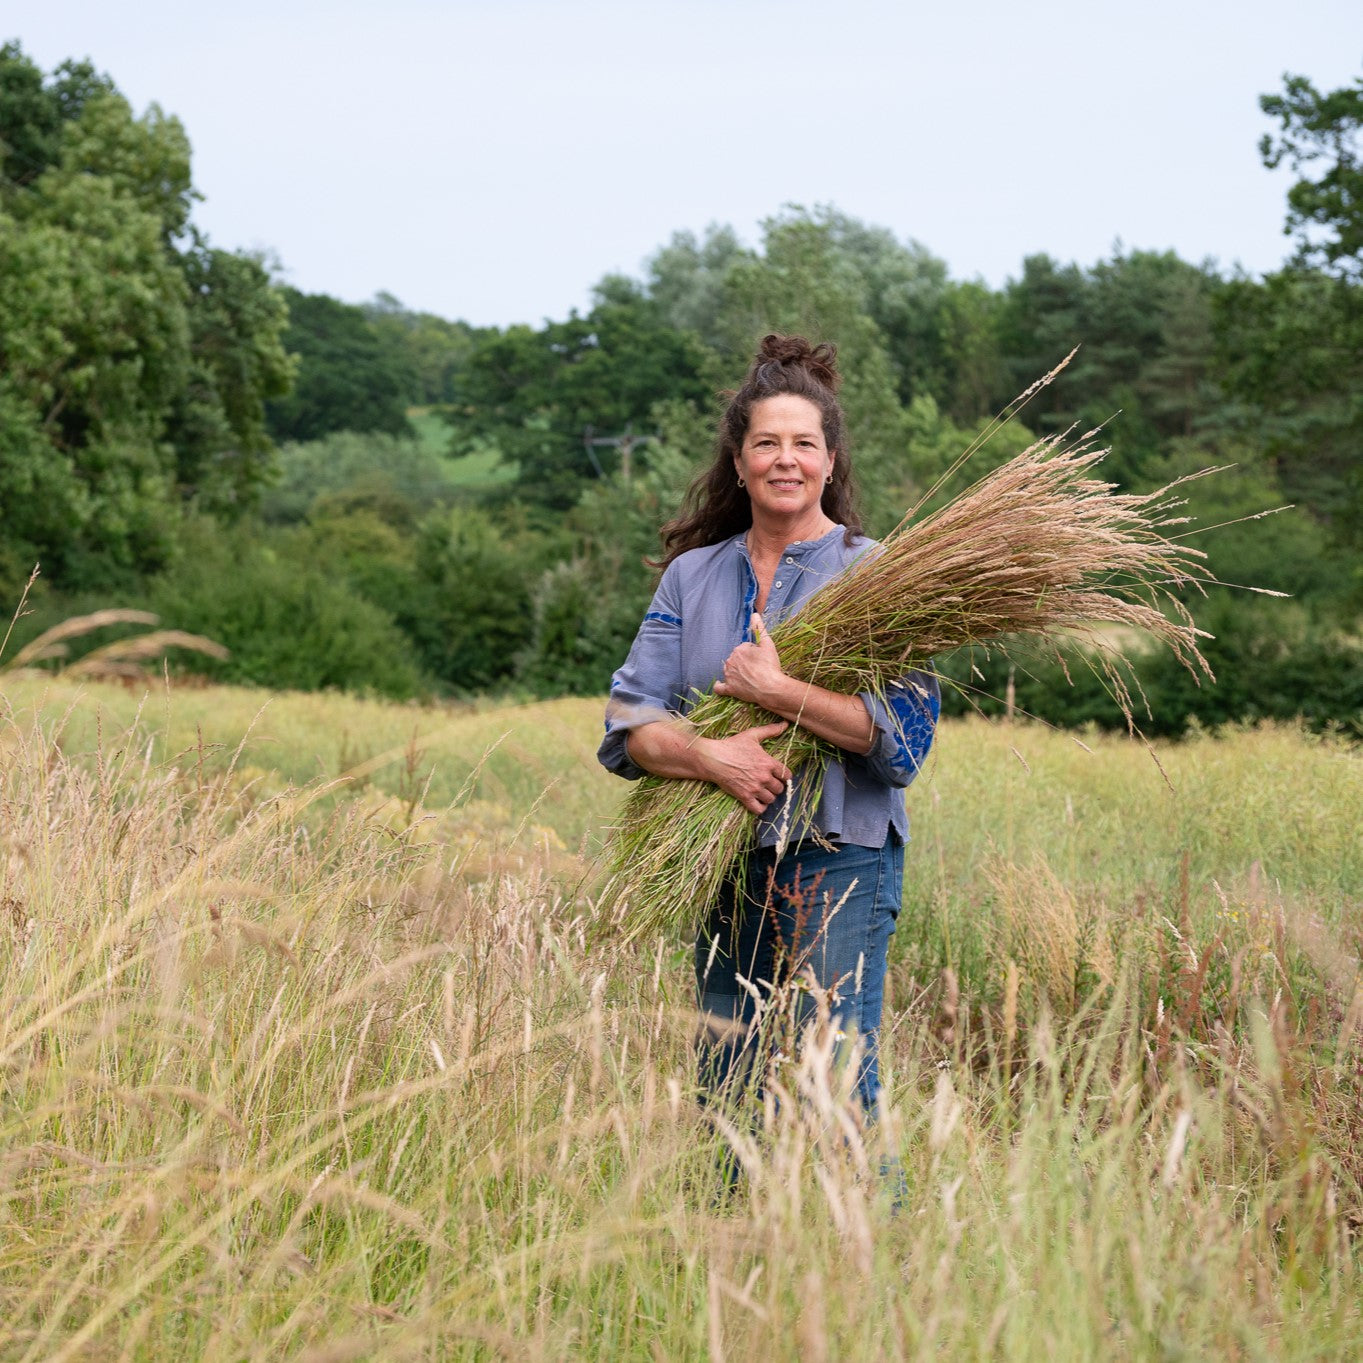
(740, 765)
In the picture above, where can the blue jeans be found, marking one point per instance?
(815, 914)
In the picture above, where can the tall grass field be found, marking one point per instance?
(315, 1046)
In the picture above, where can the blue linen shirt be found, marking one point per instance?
(700, 613)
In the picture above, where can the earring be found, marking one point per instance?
(829, 479)
(741, 483)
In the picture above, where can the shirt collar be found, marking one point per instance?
(796, 548)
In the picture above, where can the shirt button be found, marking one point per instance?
(778, 584)
(790, 560)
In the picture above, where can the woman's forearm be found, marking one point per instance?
(668, 748)
(840, 720)
(753, 672)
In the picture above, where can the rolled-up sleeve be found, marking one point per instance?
(905, 719)
(647, 686)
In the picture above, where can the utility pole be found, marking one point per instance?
(625, 443)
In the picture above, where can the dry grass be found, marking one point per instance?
(281, 1078)
(1061, 946)
(123, 658)
(503, 777)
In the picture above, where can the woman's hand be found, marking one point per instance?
(740, 765)
(752, 672)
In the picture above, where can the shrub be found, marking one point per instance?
(583, 620)
(477, 572)
(288, 622)
(398, 479)
(1271, 660)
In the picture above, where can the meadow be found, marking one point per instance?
(475, 471)
(317, 1047)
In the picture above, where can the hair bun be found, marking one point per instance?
(819, 361)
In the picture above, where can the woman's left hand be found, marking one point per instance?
(752, 672)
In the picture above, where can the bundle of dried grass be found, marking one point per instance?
(1038, 551)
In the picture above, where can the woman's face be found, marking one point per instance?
(784, 460)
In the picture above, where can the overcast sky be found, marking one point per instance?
(492, 159)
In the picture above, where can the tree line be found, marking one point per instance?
(380, 499)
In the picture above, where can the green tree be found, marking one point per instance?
(538, 395)
(1042, 319)
(934, 445)
(1290, 350)
(224, 455)
(94, 341)
(686, 279)
(1293, 345)
(972, 362)
(903, 290)
(586, 608)
(378, 562)
(348, 379)
(393, 477)
(132, 368)
(433, 350)
(284, 604)
(1143, 324)
(1314, 128)
(34, 111)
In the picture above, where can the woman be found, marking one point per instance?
(770, 522)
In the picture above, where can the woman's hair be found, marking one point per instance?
(715, 507)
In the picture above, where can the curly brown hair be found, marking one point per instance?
(715, 506)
